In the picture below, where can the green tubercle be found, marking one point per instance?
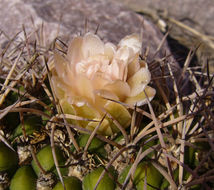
(8, 158)
(143, 169)
(106, 183)
(46, 160)
(24, 179)
(71, 183)
(31, 125)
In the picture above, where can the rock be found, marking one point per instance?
(114, 20)
(198, 15)
(66, 19)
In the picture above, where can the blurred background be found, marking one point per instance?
(189, 22)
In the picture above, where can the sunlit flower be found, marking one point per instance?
(93, 72)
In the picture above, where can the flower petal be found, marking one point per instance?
(87, 112)
(140, 99)
(60, 64)
(68, 109)
(133, 66)
(102, 96)
(139, 80)
(99, 81)
(104, 128)
(76, 100)
(75, 53)
(68, 76)
(58, 87)
(84, 87)
(120, 88)
(92, 45)
(118, 70)
(119, 113)
(106, 94)
(132, 41)
(124, 54)
(62, 85)
(109, 50)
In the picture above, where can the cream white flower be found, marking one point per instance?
(93, 72)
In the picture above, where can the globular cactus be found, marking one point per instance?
(24, 179)
(144, 171)
(106, 183)
(46, 160)
(8, 158)
(71, 183)
(94, 90)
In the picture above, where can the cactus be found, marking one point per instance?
(46, 160)
(31, 124)
(144, 169)
(71, 183)
(8, 158)
(106, 183)
(97, 92)
(24, 179)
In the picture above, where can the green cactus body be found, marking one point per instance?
(31, 125)
(8, 158)
(96, 146)
(95, 143)
(106, 183)
(46, 160)
(71, 183)
(153, 177)
(24, 179)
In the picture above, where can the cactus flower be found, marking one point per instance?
(93, 72)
